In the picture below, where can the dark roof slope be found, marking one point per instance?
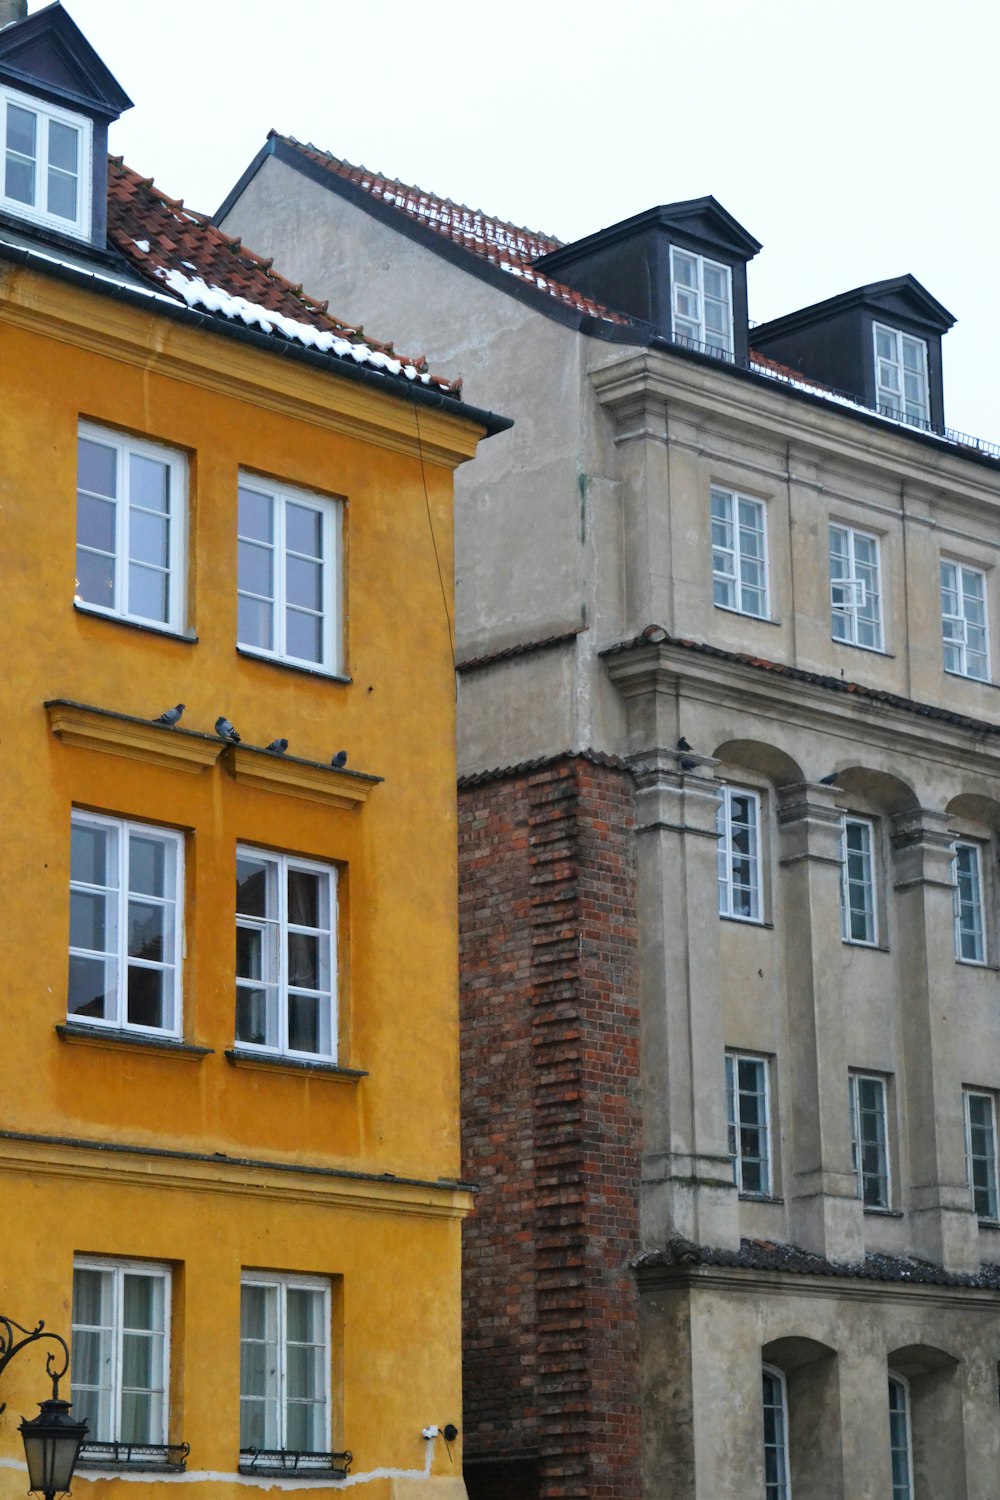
(771, 1255)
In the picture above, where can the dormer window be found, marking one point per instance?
(901, 374)
(702, 302)
(46, 163)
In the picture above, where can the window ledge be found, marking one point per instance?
(746, 921)
(991, 1224)
(310, 779)
(965, 677)
(760, 1198)
(860, 646)
(159, 1458)
(291, 1465)
(89, 728)
(743, 614)
(129, 1041)
(865, 947)
(240, 1057)
(185, 637)
(292, 666)
(874, 1212)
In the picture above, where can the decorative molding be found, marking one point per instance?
(89, 728)
(310, 779)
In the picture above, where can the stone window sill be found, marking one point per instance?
(129, 1041)
(243, 1057)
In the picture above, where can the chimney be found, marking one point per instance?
(12, 10)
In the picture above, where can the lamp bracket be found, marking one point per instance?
(10, 1345)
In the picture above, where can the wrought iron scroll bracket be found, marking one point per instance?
(10, 1344)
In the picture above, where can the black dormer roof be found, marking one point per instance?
(628, 265)
(833, 341)
(47, 54)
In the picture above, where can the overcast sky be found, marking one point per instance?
(857, 139)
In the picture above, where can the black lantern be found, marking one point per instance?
(52, 1443)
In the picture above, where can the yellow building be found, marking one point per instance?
(228, 1119)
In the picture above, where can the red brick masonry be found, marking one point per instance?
(551, 1132)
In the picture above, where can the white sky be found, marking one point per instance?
(857, 139)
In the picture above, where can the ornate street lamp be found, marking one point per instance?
(52, 1440)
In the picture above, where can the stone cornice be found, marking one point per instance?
(299, 778)
(102, 729)
(747, 1281)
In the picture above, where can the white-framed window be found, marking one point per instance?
(963, 621)
(870, 1139)
(131, 522)
(286, 955)
(739, 552)
(748, 1112)
(970, 932)
(47, 156)
(900, 1439)
(901, 374)
(981, 1152)
(284, 1363)
(125, 925)
(777, 1485)
(702, 301)
(738, 827)
(121, 1350)
(855, 588)
(858, 920)
(289, 574)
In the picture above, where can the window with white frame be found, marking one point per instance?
(739, 864)
(981, 1151)
(284, 1363)
(739, 553)
(970, 935)
(857, 882)
(289, 574)
(775, 1397)
(131, 511)
(901, 374)
(870, 1139)
(748, 1115)
(125, 926)
(286, 969)
(963, 621)
(855, 588)
(46, 163)
(121, 1350)
(702, 301)
(900, 1439)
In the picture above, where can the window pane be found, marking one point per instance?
(88, 921)
(96, 468)
(305, 966)
(256, 515)
(89, 855)
(149, 538)
(95, 523)
(249, 953)
(21, 153)
(95, 579)
(256, 568)
(303, 530)
(148, 863)
(63, 145)
(148, 482)
(146, 998)
(257, 1016)
(147, 593)
(149, 932)
(92, 988)
(255, 626)
(304, 1030)
(304, 583)
(253, 897)
(61, 197)
(303, 636)
(306, 899)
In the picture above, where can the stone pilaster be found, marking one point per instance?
(826, 1214)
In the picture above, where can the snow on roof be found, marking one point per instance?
(189, 260)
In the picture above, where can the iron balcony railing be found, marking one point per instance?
(168, 1456)
(283, 1461)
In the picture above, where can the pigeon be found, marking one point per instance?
(339, 760)
(830, 780)
(688, 763)
(682, 744)
(278, 746)
(171, 716)
(225, 730)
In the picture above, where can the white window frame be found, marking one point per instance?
(700, 340)
(903, 1490)
(728, 856)
(851, 594)
(176, 570)
(896, 401)
(332, 524)
(780, 1488)
(859, 1144)
(118, 910)
(955, 627)
(991, 1189)
(731, 564)
(735, 1095)
(45, 113)
(118, 1270)
(869, 882)
(275, 931)
(968, 901)
(284, 1284)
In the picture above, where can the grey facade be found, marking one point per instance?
(587, 533)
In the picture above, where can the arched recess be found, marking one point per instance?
(975, 807)
(757, 755)
(812, 1380)
(936, 1420)
(880, 789)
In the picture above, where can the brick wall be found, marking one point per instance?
(551, 1132)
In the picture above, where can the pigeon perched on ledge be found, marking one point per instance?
(339, 761)
(278, 747)
(225, 730)
(171, 716)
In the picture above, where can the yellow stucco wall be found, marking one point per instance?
(210, 1205)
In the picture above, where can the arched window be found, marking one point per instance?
(776, 1485)
(900, 1440)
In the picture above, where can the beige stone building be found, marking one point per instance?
(764, 586)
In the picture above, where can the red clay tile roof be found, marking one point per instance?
(184, 255)
(507, 246)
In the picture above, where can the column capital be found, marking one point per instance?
(922, 847)
(676, 791)
(809, 818)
